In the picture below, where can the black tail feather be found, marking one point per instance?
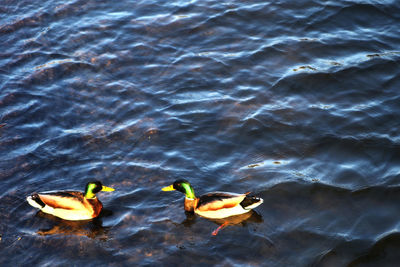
(37, 199)
(249, 200)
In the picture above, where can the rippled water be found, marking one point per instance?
(295, 101)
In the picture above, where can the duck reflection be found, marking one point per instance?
(236, 220)
(90, 228)
(190, 219)
(241, 220)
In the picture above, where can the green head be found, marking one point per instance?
(181, 186)
(92, 188)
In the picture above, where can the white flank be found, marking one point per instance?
(222, 213)
(72, 215)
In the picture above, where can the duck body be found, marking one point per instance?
(70, 205)
(215, 205)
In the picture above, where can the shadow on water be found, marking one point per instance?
(90, 228)
(383, 253)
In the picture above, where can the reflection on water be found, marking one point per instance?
(249, 217)
(90, 228)
(237, 220)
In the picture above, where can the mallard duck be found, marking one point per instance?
(214, 205)
(70, 205)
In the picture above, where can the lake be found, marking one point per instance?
(297, 102)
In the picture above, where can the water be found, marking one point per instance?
(295, 101)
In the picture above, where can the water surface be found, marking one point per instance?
(295, 101)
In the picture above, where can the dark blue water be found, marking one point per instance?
(295, 101)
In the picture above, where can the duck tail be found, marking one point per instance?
(250, 202)
(35, 201)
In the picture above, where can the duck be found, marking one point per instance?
(214, 205)
(71, 205)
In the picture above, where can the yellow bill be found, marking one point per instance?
(107, 189)
(168, 188)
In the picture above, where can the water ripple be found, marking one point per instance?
(296, 102)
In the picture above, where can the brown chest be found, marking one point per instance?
(191, 204)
